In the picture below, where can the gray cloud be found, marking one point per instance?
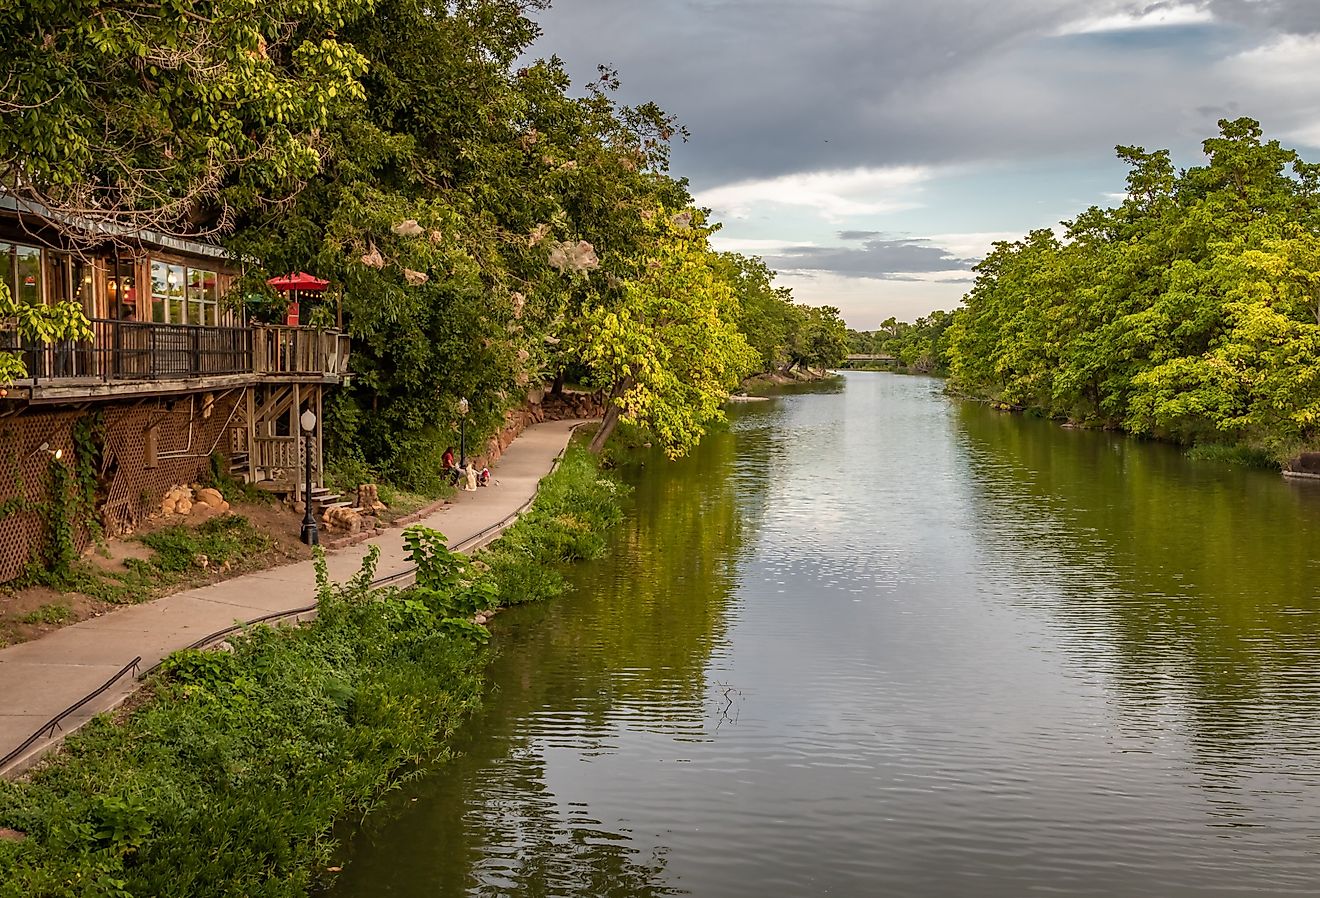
(1291, 16)
(770, 87)
(858, 235)
(886, 259)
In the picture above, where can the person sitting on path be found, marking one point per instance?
(447, 466)
(483, 478)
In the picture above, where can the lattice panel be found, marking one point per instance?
(187, 430)
(23, 476)
(186, 435)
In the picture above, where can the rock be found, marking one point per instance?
(202, 510)
(211, 497)
(167, 505)
(368, 499)
(343, 519)
(183, 506)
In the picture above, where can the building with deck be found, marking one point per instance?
(173, 376)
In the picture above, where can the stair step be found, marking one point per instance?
(341, 504)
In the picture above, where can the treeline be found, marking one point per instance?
(490, 227)
(1189, 312)
(921, 346)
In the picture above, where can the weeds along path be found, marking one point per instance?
(49, 675)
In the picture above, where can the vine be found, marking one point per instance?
(61, 549)
(88, 437)
(69, 506)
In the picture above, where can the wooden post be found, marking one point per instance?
(296, 430)
(320, 442)
(252, 433)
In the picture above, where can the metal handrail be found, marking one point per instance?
(122, 350)
(54, 723)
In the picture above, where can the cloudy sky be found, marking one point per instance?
(871, 150)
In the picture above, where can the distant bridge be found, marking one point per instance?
(877, 360)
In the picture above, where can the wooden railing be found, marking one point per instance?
(300, 350)
(277, 453)
(137, 350)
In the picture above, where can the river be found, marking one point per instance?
(869, 640)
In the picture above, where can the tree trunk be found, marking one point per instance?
(607, 426)
(612, 413)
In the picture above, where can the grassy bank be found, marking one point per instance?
(228, 778)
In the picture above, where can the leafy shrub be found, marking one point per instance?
(1237, 455)
(574, 509)
(222, 540)
(230, 779)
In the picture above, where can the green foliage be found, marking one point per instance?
(165, 117)
(181, 554)
(820, 340)
(45, 323)
(1189, 312)
(229, 781)
(666, 347)
(1238, 456)
(921, 346)
(191, 795)
(575, 508)
(53, 613)
(221, 540)
(219, 477)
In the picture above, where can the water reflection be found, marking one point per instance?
(874, 641)
(616, 669)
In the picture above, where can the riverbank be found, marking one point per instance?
(777, 379)
(49, 675)
(189, 794)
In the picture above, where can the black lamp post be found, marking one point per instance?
(463, 408)
(309, 534)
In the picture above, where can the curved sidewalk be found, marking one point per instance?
(39, 679)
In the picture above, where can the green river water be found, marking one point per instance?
(873, 641)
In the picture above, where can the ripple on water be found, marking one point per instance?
(875, 642)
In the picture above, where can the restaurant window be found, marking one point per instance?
(122, 285)
(203, 297)
(167, 293)
(70, 280)
(20, 266)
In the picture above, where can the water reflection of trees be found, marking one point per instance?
(1202, 577)
(626, 653)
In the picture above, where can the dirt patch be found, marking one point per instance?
(31, 612)
(11, 835)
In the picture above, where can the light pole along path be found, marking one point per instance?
(45, 677)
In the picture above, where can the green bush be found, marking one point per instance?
(222, 540)
(574, 509)
(229, 781)
(1237, 455)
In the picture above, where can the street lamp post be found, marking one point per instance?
(463, 408)
(309, 533)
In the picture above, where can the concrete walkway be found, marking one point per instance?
(39, 679)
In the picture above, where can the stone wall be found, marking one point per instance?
(542, 406)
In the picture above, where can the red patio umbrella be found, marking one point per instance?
(301, 282)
